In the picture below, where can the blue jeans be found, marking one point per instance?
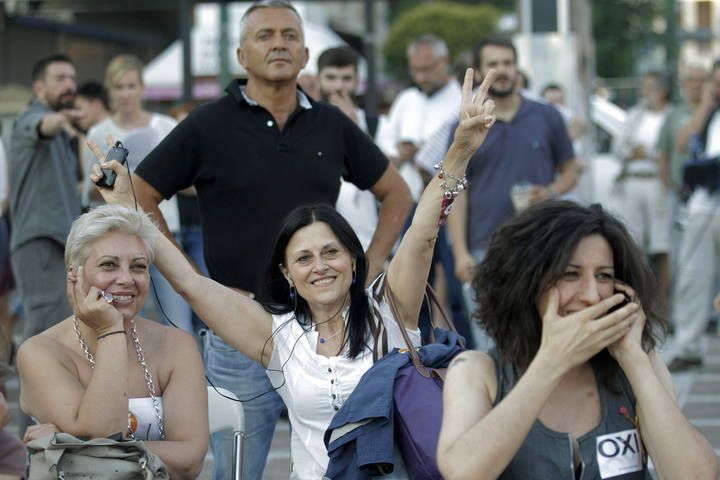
(170, 302)
(228, 368)
(191, 241)
(482, 341)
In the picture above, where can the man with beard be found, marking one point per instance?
(44, 200)
(527, 149)
(338, 81)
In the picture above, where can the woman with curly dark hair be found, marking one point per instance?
(574, 387)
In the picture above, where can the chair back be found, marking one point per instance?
(224, 412)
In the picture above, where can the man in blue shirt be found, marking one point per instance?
(528, 146)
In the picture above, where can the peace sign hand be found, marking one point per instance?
(476, 114)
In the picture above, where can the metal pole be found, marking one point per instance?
(671, 42)
(525, 16)
(371, 96)
(185, 30)
(224, 73)
(563, 17)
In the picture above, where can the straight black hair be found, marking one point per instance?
(40, 67)
(94, 91)
(278, 299)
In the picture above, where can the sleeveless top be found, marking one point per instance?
(611, 450)
(142, 419)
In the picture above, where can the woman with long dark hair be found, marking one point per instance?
(315, 336)
(574, 387)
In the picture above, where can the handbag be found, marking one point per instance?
(418, 400)
(64, 456)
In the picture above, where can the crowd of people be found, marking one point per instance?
(290, 236)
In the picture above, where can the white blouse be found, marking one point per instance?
(314, 387)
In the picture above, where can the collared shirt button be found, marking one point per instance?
(329, 370)
(269, 123)
(334, 396)
(332, 382)
(336, 408)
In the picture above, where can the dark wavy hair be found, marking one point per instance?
(278, 294)
(529, 254)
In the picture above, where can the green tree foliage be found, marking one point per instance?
(397, 7)
(460, 25)
(622, 30)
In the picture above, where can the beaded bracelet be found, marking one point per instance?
(111, 333)
(454, 191)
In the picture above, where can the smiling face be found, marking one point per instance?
(118, 264)
(320, 267)
(589, 276)
(273, 47)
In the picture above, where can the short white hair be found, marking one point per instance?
(265, 4)
(437, 44)
(105, 219)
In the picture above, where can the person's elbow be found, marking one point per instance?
(146, 195)
(399, 196)
(571, 172)
(190, 463)
(452, 469)
(190, 469)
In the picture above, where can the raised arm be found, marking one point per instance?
(694, 126)
(408, 270)
(243, 323)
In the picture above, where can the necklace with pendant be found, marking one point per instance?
(345, 313)
(141, 360)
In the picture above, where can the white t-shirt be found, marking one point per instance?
(415, 117)
(314, 387)
(139, 142)
(646, 134)
(358, 207)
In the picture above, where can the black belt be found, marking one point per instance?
(641, 175)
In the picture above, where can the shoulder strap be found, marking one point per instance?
(390, 299)
(381, 291)
(379, 333)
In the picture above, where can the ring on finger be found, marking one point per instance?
(107, 296)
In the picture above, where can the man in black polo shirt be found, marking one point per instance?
(254, 155)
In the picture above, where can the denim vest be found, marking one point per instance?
(612, 450)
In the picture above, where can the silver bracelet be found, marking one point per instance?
(450, 191)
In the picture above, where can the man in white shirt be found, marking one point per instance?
(338, 82)
(640, 197)
(419, 111)
(699, 257)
